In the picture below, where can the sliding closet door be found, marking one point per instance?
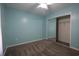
(64, 29)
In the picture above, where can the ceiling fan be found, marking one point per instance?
(44, 5)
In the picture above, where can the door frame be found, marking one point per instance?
(57, 30)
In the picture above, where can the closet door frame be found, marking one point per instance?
(57, 30)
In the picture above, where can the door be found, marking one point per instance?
(64, 29)
(1, 46)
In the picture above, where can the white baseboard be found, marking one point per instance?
(24, 42)
(74, 48)
(5, 51)
(20, 44)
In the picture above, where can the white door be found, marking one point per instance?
(1, 48)
(64, 29)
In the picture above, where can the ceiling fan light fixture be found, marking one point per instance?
(43, 5)
(49, 3)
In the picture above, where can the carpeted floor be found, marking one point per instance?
(41, 48)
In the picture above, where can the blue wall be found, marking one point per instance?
(52, 28)
(22, 27)
(73, 10)
(44, 28)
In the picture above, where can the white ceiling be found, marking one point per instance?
(32, 7)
